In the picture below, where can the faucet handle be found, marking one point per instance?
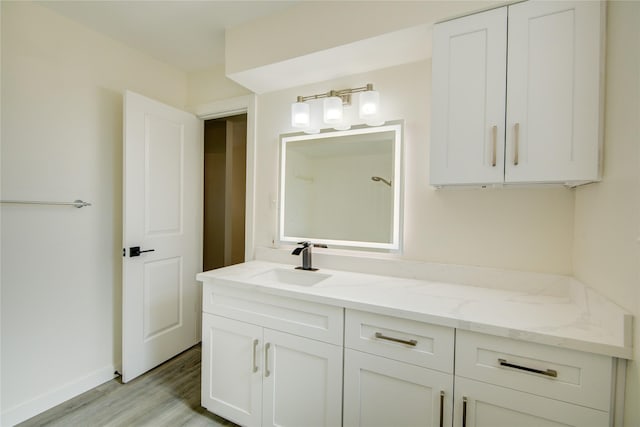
(299, 249)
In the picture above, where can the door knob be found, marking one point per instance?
(135, 251)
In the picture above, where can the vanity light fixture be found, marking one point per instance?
(333, 107)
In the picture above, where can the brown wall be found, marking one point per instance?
(224, 191)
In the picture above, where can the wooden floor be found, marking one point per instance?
(169, 395)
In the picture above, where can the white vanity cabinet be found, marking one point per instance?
(259, 368)
(362, 350)
(504, 382)
(547, 63)
(397, 372)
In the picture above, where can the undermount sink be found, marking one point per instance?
(292, 277)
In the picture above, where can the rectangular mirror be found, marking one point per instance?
(342, 188)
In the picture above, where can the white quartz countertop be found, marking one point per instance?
(568, 314)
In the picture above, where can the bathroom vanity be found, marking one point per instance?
(289, 347)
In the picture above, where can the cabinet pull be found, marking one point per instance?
(441, 408)
(255, 350)
(548, 372)
(516, 144)
(494, 142)
(464, 411)
(266, 359)
(412, 343)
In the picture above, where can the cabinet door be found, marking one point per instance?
(383, 392)
(302, 383)
(493, 406)
(231, 377)
(553, 91)
(468, 99)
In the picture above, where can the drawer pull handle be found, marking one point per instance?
(412, 343)
(441, 408)
(266, 360)
(255, 350)
(549, 372)
(464, 411)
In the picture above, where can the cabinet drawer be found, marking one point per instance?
(558, 373)
(408, 341)
(312, 320)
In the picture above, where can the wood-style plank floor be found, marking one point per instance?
(169, 395)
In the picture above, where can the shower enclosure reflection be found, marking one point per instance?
(342, 188)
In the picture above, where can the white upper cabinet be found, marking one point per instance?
(518, 87)
(553, 91)
(468, 109)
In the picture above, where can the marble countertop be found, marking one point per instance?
(567, 314)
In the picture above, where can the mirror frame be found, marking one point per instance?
(395, 244)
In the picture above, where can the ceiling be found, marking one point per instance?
(186, 34)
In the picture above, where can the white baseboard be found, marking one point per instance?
(48, 400)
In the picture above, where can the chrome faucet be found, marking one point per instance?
(305, 250)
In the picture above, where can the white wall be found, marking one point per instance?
(211, 85)
(62, 139)
(315, 26)
(607, 214)
(523, 229)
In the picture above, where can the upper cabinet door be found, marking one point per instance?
(468, 93)
(554, 91)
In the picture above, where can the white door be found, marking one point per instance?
(493, 406)
(302, 383)
(232, 369)
(383, 392)
(553, 91)
(162, 214)
(468, 99)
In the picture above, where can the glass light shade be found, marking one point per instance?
(369, 104)
(332, 107)
(342, 126)
(315, 119)
(300, 115)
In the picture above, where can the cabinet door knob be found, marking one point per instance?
(494, 145)
(266, 359)
(516, 144)
(255, 350)
(441, 408)
(464, 411)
